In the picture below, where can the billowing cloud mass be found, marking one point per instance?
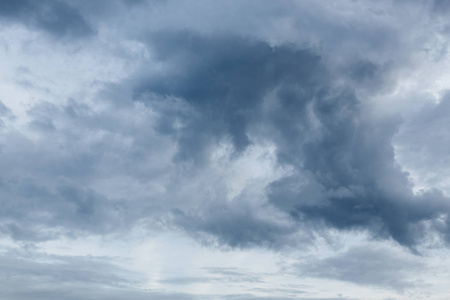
(224, 149)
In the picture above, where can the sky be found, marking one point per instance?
(240, 150)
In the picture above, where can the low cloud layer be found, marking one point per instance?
(366, 265)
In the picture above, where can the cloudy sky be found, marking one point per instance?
(241, 150)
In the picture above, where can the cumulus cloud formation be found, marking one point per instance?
(271, 126)
(288, 97)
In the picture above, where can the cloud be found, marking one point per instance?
(65, 277)
(252, 127)
(364, 265)
(422, 142)
(345, 174)
(224, 79)
(93, 277)
(245, 125)
(250, 297)
(4, 111)
(54, 17)
(49, 188)
(215, 90)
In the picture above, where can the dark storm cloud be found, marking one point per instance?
(224, 79)
(57, 18)
(361, 185)
(241, 88)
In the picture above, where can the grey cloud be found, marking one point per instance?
(250, 297)
(4, 111)
(246, 89)
(299, 76)
(82, 278)
(229, 275)
(237, 226)
(225, 79)
(215, 88)
(184, 280)
(212, 88)
(355, 178)
(422, 145)
(35, 212)
(232, 272)
(57, 18)
(47, 186)
(423, 141)
(367, 266)
(83, 293)
(62, 277)
(78, 277)
(440, 6)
